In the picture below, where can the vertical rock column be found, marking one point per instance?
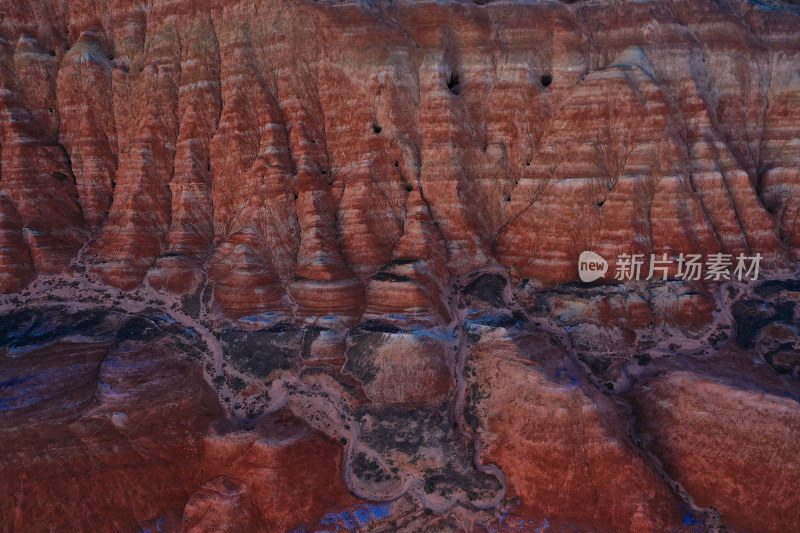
(135, 233)
(35, 176)
(180, 269)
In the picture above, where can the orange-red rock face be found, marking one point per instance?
(107, 433)
(562, 448)
(100, 414)
(289, 472)
(183, 143)
(268, 265)
(695, 446)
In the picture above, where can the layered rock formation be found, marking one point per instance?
(267, 266)
(181, 144)
(129, 434)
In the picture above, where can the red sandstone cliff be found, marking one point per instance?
(391, 195)
(282, 148)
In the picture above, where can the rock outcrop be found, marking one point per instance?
(313, 265)
(181, 145)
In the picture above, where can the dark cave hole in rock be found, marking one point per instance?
(600, 204)
(295, 196)
(507, 197)
(50, 110)
(324, 172)
(453, 84)
(547, 79)
(396, 164)
(376, 128)
(409, 188)
(60, 176)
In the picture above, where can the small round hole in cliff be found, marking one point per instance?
(546, 80)
(409, 188)
(600, 204)
(507, 197)
(396, 164)
(50, 110)
(323, 172)
(453, 84)
(377, 128)
(295, 196)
